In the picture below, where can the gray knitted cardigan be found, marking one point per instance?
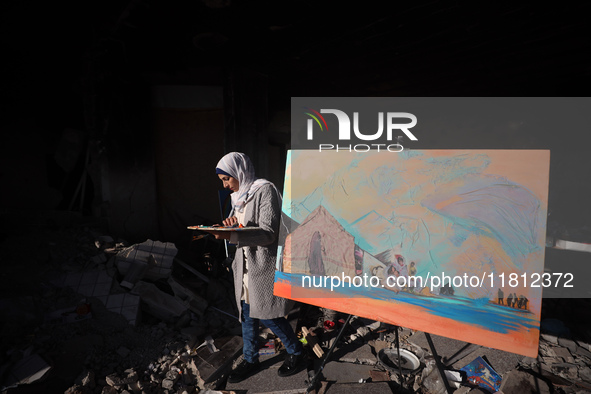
(260, 248)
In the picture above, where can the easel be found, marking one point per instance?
(438, 362)
(317, 374)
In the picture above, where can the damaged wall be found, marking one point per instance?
(189, 134)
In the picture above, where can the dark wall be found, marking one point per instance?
(78, 81)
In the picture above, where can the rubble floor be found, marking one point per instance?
(104, 353)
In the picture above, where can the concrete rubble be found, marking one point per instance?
(100, 315)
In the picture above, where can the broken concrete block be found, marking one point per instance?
(130, 377)
(125, 304)
(360, 355)
(566, 370)
(90, 284)
(547, 351)
(193, 373)
(190, 299)
(77, 389)
(161, 253)
(170, 379)
(135, 273)
(522, 382)
(174, 374)
(529, 361)
(167, 384)
(584, 345)
(569, 343)
(548, 360)
(378, 345)
(550, 338)
(581, 351)
(27, 370)
(137, 387)
(155, 378)
(158, 303)
(564, 354)
(464, 390)
(546, 367)
(585, 374)
(86, 379)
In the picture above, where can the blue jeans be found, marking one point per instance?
(250, 334)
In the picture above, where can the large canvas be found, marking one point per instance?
(448, 242)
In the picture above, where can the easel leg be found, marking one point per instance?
(312, 384)
(397, 340)
(439, 364)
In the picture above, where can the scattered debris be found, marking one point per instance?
(159, 303)
(27, 370)
(267, 347)
(309, 339)
(522, 382)
(432, 381)
(109, 317)
(72, 314)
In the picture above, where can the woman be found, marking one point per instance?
(256, 203)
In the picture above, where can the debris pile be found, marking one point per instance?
(106, 316)
(85, 313)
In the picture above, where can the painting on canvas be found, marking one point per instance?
(449, 242)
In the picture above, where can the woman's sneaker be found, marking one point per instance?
(291, 365)
(243, 370)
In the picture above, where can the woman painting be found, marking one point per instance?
(256, 203)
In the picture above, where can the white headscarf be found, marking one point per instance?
(239, 167)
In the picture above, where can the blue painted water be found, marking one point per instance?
(474, 312)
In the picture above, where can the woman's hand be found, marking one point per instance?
(231, 221)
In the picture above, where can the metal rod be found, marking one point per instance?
(327, 356)
(439, 364)
(221, 311)
(397, 340)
